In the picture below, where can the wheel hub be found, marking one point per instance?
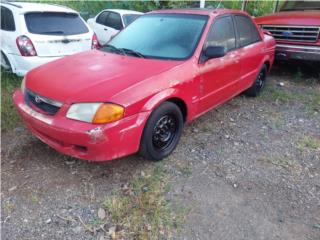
(164, 132)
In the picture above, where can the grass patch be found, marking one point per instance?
(9, 116)
(279, 162)
(142, 210)
(277, 94)
(310, 99)
(309, 143)
(9, 207)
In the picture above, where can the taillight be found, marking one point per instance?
(95, 42)
(25, 46)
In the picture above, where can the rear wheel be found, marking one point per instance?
(162, 132)
(5, 62)
(259, 84)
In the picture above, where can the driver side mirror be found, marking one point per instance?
(214, 52)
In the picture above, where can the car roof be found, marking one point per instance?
(200, 11)
(23, 7)
(123, 11)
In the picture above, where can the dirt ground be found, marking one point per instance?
(249, 169)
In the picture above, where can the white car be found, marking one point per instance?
(33, 34)
(110, 21)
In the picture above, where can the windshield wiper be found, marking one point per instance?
(136, 53)
(114, 49)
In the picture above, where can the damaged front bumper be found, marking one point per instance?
(93, 142)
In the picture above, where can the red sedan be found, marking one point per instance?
(136, 93)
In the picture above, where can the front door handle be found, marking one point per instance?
(106, 29)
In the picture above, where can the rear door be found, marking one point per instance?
(107, 25)
(251, 50)
(57, 33)
(99, 27)
(219, 75)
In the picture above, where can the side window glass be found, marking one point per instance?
(114, 21)
(222, 34)
(7, 20)
(247, 31)
(102, 18)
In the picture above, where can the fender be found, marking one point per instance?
(163, 96)
(158, 98)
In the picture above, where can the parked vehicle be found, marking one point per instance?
(33, 34)
(110, 21)
(135, 94)
(296, 28)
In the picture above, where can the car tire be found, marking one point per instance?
(162, 132)
(259, 84)
(5, 62)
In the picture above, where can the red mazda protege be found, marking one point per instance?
(135, 94)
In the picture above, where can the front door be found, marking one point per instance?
(219, 75)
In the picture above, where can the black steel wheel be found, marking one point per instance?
(162, 132)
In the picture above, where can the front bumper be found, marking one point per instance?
(92, 142)
(297, 52)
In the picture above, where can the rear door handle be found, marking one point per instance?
(106, 29)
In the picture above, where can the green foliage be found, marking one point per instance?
(91, 8)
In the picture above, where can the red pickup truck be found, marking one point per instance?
(296, 28)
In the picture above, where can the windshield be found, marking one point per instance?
(55, 23)
(129, 18)
(163, 36)
(300, 5)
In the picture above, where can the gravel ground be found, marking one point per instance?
(246, 170)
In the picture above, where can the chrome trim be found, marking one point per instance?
(297, 33)
(45, 99)
(298, 47)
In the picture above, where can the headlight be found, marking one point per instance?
(95, 112)
(23, 85)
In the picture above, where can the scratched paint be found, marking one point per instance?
(96, 135)
(35, 114)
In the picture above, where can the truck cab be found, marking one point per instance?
(296, 28)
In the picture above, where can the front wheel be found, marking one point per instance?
(259, 84)
(162, 132)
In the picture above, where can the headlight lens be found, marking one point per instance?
(23, 85)
(95, 112)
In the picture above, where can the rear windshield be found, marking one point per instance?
(129, 18)
(54, 23)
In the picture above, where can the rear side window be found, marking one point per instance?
(114, 21)
(222, 34)
(7, 20)
(129, 18)
(54, 23)
(248, 33)
(102, 18)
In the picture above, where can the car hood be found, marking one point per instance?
(306, 18)
(92, 76)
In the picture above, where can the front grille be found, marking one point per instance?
(293, 33)
(46, 105)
